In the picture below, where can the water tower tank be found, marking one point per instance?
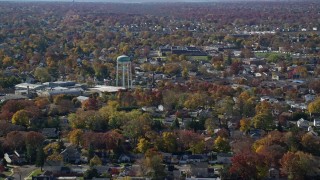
(123, 59)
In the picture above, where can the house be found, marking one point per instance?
(124, 158)
(309, 97)
(50, 132)
(224, 158)
(71, 154)
(196, 158)
(15, 158)
(316, 122)
(199, 169)
(273, 173)
(277, 76)
(53, 166)
(302, 123)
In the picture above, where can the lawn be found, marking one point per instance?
(266, 54)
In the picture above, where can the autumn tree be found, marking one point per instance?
(263, 121)
(314, 107)
(42, 74)
(143, 145)
(75, 136)
(221, 144)
(245, 125)
(152, 165)
(169, 142)
(21, 117)
(248, 165)
(298, 165)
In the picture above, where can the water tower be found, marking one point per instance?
(124, 68)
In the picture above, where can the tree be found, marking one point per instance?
(221, 145)
(30, 153)
(42, 74)
(40, 157)
(314, 107)
(263, 107)
(311, 143)
(143, 145)
(298, 165)
(21, 117)
(196, 100)
(91, 173)
(137, 126)
(169, 142)
(34, 139)
(153, 165)
(75, 136)
(245, 125)
(15, 140)
(263, 121)
(55, 157)
(248, 165)
(90, 104)
(95, 161)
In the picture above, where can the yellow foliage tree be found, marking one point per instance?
(245, 125)
(314, 107)
(22, 118)
(221, 144)
(75, 136)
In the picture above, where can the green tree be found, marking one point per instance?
(42, 74)
(263, 121)
(221, 144)
(91, 173)
(30, 153)
(40, 157)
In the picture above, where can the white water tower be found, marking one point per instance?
(124, 70)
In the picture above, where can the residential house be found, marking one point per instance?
(309, 97)
(53, 166)
(15, 158)
(124, 158)
(224, 158)
(199, 169)
(277, 76)
(71, 154)
(302, 123)
(273, 173)
(196, 158)
(316, 122)
(50, 132)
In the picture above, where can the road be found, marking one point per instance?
(21, 172)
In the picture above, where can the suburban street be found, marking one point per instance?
(21, 172)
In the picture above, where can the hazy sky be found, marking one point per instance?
(136, 1)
